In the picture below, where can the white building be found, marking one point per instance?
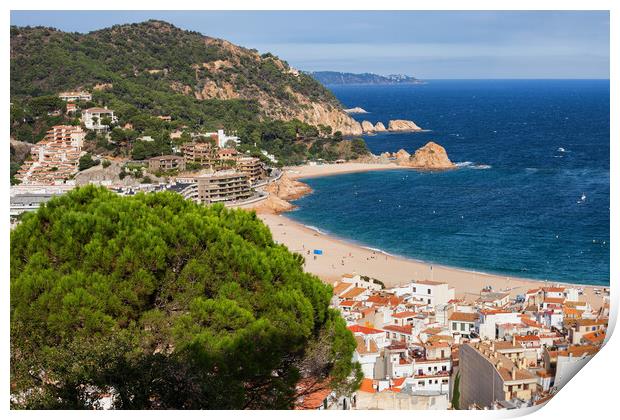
(430, 292)
(75, 96)
(487, 327)
(221, 138)
(92, 118)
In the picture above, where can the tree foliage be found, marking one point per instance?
(164, 303)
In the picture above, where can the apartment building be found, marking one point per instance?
(488, 377)
(250, 166)
(166, 163)
(223, 186)
(203, 153)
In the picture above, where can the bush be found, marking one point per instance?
(86, 162)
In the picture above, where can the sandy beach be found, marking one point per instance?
(340, 256)
(309, 171)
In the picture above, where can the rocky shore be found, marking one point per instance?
(430, 157)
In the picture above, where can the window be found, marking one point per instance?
(444, 381)
(462, 326)
(454, 326)
(414, 290)
(428, 301)
(421, 383)
(429, 291)
(443, 368)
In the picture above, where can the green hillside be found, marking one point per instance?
(153, 68)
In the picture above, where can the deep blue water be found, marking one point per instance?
(515, 209)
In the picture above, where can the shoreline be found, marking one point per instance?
(342, 255)
(465, 270)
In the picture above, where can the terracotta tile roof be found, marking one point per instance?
(340, 287)
(578, 351)
(595, 337)
(367, 386)
(554, 300)
(312, 394)
(405, 314)
(356, 291)
(364, 330)
(590, 322)
(464, 316)
(529, 337)
(407, 329)
(553, 289)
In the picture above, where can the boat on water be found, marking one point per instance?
(582, 199)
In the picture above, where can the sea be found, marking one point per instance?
(530, 195)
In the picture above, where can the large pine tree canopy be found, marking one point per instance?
(164, 303)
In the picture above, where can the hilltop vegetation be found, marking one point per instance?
(163, 303)
(153, 68)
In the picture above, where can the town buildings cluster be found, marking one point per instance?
(421, 347)
(208, 168)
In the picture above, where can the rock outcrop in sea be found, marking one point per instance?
(403, 125)
(430, 156)
(367, 127)
(356, 110)
(393, 125)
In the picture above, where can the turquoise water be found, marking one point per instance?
(530, 197)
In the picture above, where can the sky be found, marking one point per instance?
(424, 44)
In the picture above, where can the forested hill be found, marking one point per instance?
(338, 78)
(156, 67)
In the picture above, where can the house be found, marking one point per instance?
(494, 299)
(462, 323)
(93, 117)
(396, 333)
(360, 282)
(585, 326)
(366, 354)
(430, 292)
(490, 319)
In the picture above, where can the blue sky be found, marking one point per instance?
(441, 44)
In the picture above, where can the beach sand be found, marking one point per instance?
(341, 257)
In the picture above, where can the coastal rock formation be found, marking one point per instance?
(356, 110)
(273, 204)
(380, 127)
(430, 156)
(402, 156)
(288, 189)
(367, 127)
(403, 125)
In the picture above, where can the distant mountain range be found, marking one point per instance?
(339, 78)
